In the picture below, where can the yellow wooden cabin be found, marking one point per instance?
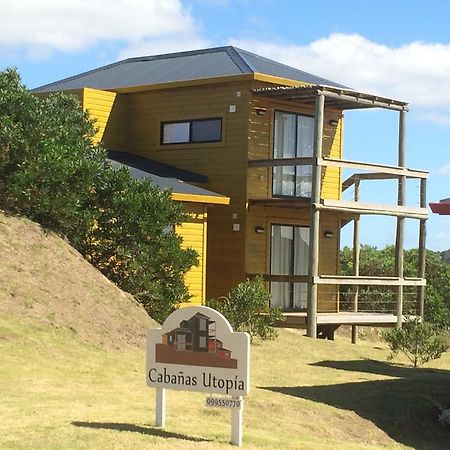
(269, 138)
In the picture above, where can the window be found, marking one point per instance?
(293, 138)
(202, 324)
(191, 131)
(202, 342)
(289, 256)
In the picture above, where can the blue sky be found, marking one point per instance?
(399, 49)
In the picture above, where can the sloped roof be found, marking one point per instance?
(442, 207)
(155, 167)
(182, 66)
(167, 182)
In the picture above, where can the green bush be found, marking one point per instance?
(247, 309)
(420, 342)
(52, 173)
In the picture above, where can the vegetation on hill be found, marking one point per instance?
(52, 173)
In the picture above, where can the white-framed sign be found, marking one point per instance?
(196, 349)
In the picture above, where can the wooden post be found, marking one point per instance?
(356, 252)
(313, 269)
(422, 247)
(160, 420)
(236, 423)
(399, 241)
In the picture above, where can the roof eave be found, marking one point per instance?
(200, 198)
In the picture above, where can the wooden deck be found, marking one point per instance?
(299, 319)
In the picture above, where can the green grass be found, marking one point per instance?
(58, 392)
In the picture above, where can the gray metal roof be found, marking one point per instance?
(183, 66)
(156, 167)
(172, 184)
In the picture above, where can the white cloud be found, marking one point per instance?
(41, 27)
(445, 170)
(436, 118)
(417, 72)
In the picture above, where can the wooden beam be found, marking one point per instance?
(373, 208)
(356, 318)
(394, 170)
(356, 254)
(369, 176)
(373, 102)
(399, 240)
(422, 247)
(313, 265)
(281, 162)
(280, 278)
(368, 281)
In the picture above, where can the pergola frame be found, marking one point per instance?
(342, 99)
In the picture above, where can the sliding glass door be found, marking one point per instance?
(289, 256)
(293, 138)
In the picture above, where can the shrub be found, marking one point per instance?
(420, 342)
(247, 309)
(53, 173)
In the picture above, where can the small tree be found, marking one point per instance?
(247, 309)
(420, 342)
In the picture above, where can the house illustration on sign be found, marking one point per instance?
(194, 343)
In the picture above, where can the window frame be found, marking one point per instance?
(296, 114)
(291, 261)
(190, 122)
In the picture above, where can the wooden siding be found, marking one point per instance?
(261, 146)
(224, 163)
(258, 245)
(194, 233)
(99, 105)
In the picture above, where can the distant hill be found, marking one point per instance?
(45, 283)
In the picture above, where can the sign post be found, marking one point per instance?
(197, 350)
(236, 423)
(160, 420)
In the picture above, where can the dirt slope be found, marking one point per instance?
(44, 282)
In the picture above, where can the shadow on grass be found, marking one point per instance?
(137, 429)
(404, 406)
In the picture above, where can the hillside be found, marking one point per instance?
(72, 373)
(46, 284)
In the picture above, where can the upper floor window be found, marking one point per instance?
(293, 138)
(191, 131)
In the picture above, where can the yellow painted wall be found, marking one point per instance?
(261, 147)
(224, 163)
(194, 233)
(99, 104)
(132, 122)
(258, 245)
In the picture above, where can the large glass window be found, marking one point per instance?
(289, 256)
(293, 138)
(191, 131)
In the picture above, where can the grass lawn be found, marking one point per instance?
(58, 392)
